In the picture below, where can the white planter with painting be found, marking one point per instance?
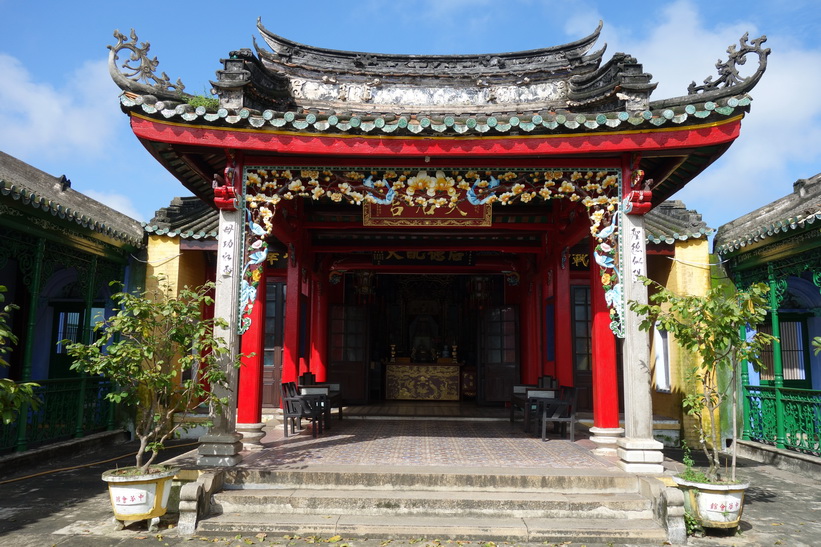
(715, 505)
(139, 497)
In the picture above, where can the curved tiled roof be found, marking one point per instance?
(795, 211)
(39, 190)
(551, 90)
(558, 96)
(187, 218)
(671, 221)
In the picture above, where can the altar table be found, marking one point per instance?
(422, 382)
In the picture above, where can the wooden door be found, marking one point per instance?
(274, 333)
(498, 366)
(348, 355)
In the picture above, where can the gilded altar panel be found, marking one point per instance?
(421, 382)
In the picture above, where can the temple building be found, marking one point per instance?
(436, 227)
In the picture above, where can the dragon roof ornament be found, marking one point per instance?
(729, 81)
(140, 77)
(728, 71)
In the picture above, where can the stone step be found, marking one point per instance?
(531, 504)
(567, 481)
(555, 530)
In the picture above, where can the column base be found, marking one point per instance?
(252, 435)
(640, 456)
(606, 439)
(220, 449)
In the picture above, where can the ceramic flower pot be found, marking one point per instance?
(715, 505)
(139, 497)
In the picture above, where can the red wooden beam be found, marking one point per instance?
(473, 149)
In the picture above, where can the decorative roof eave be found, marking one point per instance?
(267, 141)
(620, 79)
(37, 201)
(288, 53)
(182, 234)
(671, 222)
(782, 226)
(362, 124)
(186, 217)
(672, 238)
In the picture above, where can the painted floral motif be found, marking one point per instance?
(598, 190)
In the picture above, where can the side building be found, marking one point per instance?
(780, 244)
(59, 250)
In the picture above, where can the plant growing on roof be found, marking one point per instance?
(12, 395)
(161, 356)
(711, 326)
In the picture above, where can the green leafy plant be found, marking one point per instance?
(692, 524)
(162, 357)
(690, 473)
(711, 326)
(13, 395)
(210, 103)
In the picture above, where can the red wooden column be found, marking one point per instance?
(249, 396)
(605, 428)
(564, 321)
(533, 339)
(319, 327)
(290, 349)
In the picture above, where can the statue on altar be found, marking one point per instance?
(423, 337)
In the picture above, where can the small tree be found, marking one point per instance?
(146, 348)
(711, 326)
(12, 395)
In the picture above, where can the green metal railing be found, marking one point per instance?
(796, 412)
(68, 408)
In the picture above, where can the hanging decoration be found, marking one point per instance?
(598, 190)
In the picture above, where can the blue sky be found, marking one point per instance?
(59, 109)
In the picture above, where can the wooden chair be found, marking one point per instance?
(518, 398)
(561, 411)
(535, 398)
(318, 396)
(296, 407)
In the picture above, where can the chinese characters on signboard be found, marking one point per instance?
(423, 258)
(401, 214)
(637, 261)
(226, 251)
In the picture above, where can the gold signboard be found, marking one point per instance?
(402, 214)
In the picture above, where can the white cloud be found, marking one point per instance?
(73, 121)
(118, 202)
(778, 135)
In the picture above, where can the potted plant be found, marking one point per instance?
(161, 356)
(714, 327)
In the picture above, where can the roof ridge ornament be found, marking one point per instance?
(727, 70)
(141, 77)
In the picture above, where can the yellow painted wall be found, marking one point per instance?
(688, 273)
(178, 268)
